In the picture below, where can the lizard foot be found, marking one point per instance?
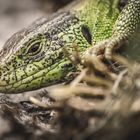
(104, 49)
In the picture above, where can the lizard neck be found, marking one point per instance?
(101, 23)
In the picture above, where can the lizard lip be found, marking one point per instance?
(29, 83)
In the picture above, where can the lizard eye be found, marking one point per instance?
(35, 45)
(34, 48)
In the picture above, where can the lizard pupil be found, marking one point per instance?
(34, 48)
(86, 33)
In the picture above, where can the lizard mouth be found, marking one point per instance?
(31, 82)
(28, 83)
(42, 78)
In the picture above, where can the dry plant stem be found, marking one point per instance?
(37, 102)
(95, 80)
(117, 82)
(79, 78)
(55, 106)
(123, 61)
(67, 92)
(75, 56)
(66, 52)
(96, 63)
(135, 108)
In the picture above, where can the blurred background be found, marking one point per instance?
(17, 14)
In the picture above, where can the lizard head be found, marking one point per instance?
(33, 57)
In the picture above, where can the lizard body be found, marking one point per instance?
(34, 57)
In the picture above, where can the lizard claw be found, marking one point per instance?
(104, 48)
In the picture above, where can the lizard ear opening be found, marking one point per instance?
(86, 33)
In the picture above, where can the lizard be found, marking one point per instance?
(34, 57)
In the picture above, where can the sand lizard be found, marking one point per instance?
(34, 57)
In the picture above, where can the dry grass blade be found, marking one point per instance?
(117, 82)
(56, 106)
(73, 56)
(66, 92)
(93, 62)
(97, 81)
(38, 103)
(79, 78)
(123, 61)
(76, 54)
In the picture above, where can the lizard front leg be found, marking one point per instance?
(125, 26)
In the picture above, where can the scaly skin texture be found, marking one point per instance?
(124, 28)
(34, 57)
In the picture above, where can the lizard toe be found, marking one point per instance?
(108, 51)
